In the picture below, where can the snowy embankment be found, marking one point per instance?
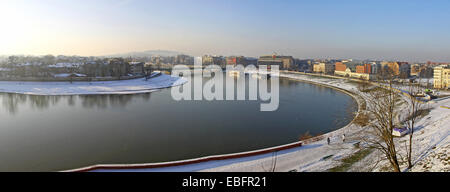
(89, 88)
(431, 143)
(314, 156)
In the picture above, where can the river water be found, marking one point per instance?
(52, 133)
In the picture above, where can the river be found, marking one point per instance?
(52, 133)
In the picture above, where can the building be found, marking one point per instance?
(430, 63)
(401, 69)
(426, 72)
(404, 70)
(184, 60)
(442, 77)
(354, 69)
(305, 65)
(347, 60)
(423, 71)
(252, 61)
(326, 68)
(340, 66)
(375, 68)
(349, 73)
(317, 68)
(352, 65)
(118, 67)
(415, 69)
(360, 69)
(237, 60)
(366, 68)
(137, 68)
(63, 68)
(393, 67)
(214, 60)
(284, 62)
(156, 59)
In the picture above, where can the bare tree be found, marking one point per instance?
(381, 104)
(273, 163)
(363, 85)
(414, 111)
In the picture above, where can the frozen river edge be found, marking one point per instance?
(133, 86)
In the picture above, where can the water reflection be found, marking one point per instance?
(52, 133)
(42, 102)
(13, 102)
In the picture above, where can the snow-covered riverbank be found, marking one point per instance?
(431, 145)
(86, 88)
(314, 156)
(289, 159)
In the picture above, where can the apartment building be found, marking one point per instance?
(326, 68)
(442, 77)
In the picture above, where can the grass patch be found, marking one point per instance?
(372, 89)
(307, 137)
(420, 114)
(347, 162)
(362, 119)
(386, 168)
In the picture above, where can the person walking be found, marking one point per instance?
(343, 138)
(328, 140)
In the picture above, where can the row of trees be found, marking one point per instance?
(44, 60)
(30, 66)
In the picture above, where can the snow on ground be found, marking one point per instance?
(431, 137)
(65, 65)
(425, 81)
(431, 144)
(432, 141)
(436, 161)
(69, 74)
(316, 156)
(96, 87)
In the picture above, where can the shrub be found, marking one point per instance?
(362, 119)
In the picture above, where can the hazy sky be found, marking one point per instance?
(401, 29)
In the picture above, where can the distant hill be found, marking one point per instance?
(148, 53)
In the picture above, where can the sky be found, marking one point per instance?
(409, 30)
